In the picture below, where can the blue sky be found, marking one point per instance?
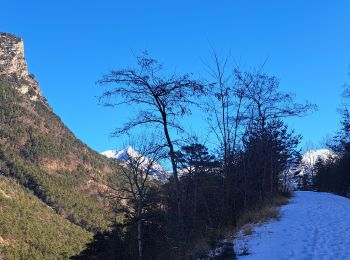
(70, 44)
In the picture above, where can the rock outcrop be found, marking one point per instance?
(14, 66)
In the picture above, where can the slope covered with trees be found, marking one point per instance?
(29, 229)
(40, 155)
(44, 156)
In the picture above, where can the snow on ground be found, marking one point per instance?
(312, 226)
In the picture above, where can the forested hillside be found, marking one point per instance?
(43, 155)
(47, 175)
(30, 229)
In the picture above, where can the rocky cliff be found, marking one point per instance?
(14, 66)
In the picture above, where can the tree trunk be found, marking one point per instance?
(176, 178)
(139, 229)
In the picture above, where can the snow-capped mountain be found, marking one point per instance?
(293, 177)
(122, 155)
(310, 158)
(157, 170)
(302, 175)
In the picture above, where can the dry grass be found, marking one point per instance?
(246, 222)
(258, 215)
(247, 229)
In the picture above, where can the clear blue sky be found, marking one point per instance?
(69, 44)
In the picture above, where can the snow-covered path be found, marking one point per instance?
(312, 226)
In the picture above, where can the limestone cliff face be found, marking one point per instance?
(14, 66)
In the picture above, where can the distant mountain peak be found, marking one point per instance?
(312, 156)
(123, 155)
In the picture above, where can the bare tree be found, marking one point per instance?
(226, 104)
(267, 102)
(226, 107)
(161, 100)
(140, 168)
